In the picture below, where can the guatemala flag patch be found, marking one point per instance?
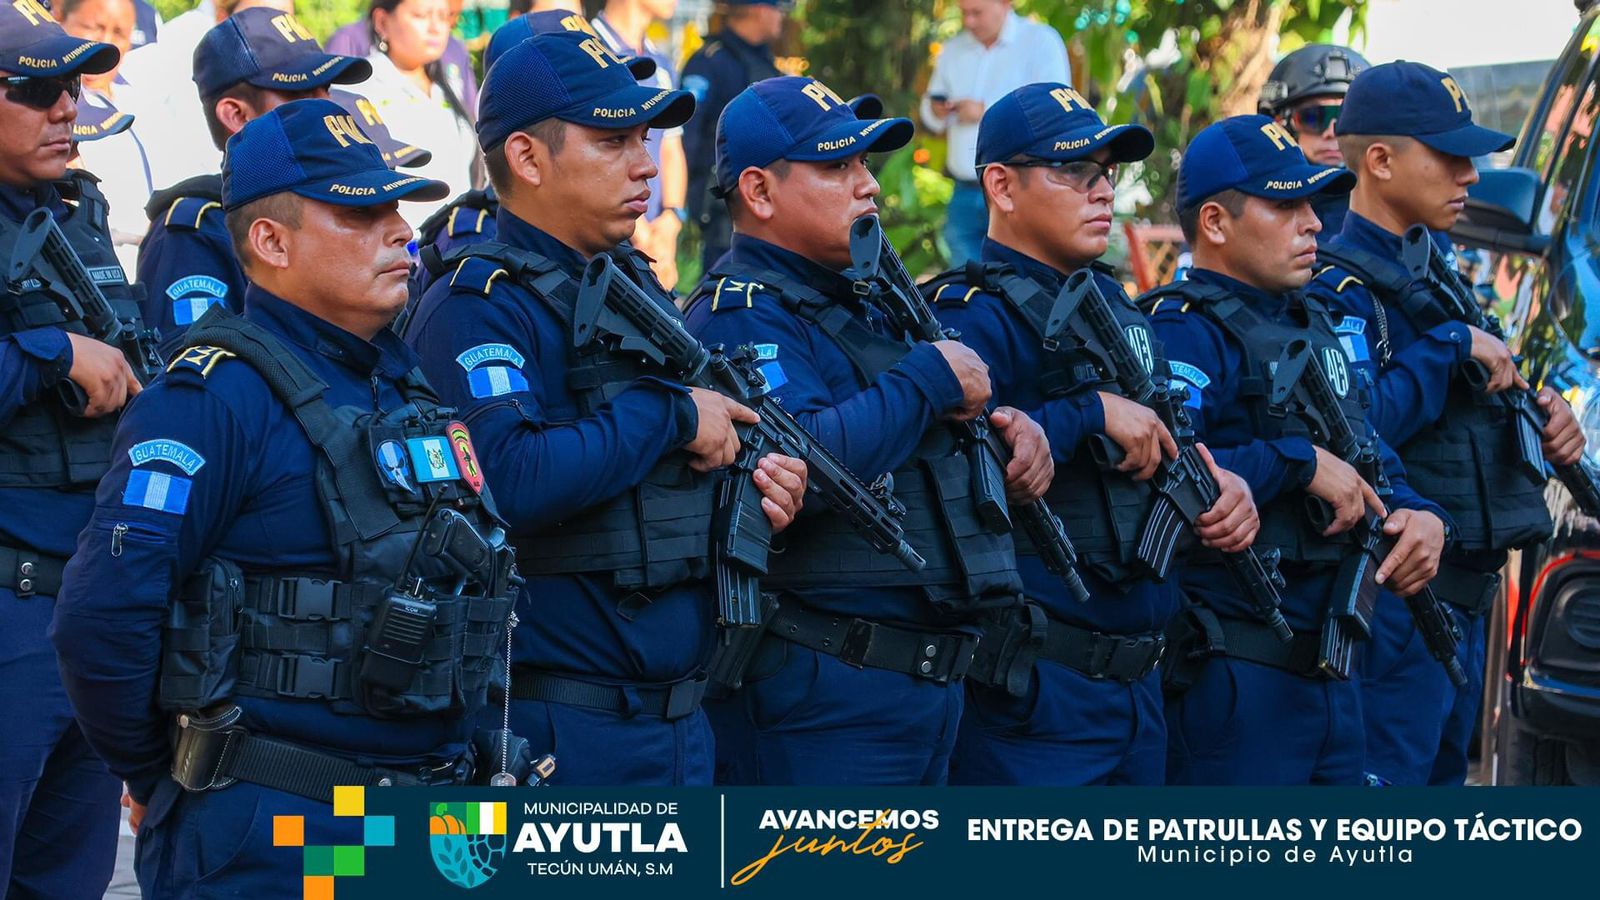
(1192, 378)
(1352, 331)
(493, 381)
(157, 491)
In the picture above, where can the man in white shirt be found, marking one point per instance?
(997, 52)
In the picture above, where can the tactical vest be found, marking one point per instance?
(1285, 524)
(463, 216)
(44, 445)
(656, 534)
(1467, 460)
(1103, 511)
(395, 631)
(968, 567)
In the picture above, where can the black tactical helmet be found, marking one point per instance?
(1313, 70)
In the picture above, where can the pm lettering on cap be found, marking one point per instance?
(291, 29)
(1280, 137)
(345, 130)
(1455, 92)
(33, 11)
(600, 53)
(1070, 99)
(822, 94)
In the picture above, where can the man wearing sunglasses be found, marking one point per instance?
(1410, 136)
(249, 64)
(1305, 93)
(60, 392)
(1092, 713)
(859, 678)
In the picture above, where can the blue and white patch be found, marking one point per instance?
(192, 295)
(163, 450)
(1352, 332)
(774, 374)
(766, 351)
(157, 490)
(432, 459)
(698, 85)
(1338, 372)
(495, 381)
(1192, 378)
(392, 463)
(476, 356)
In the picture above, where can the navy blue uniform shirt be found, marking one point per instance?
(1411, 391)
(1210, 363)
(715, 74)
(872, 430)
(31, 363)
(213, 464)
(187, 266)
(503, 360)
(999, 334)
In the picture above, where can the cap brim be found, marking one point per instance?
(867, 106)
(1469, 141)
(1126, 143)
(850, 138)
(62, 54)
(1302, 181)
(631, 106)
(372, 187)
(114, 121)
(642, 67)
(319, 70)
(409, 157)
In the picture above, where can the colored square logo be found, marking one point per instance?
(288, 831)
(350, 800)
(378, 831)
(349, 861)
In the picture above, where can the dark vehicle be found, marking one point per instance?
(1539, 221)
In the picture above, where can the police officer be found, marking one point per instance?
(1303, 94)
(60, 391)
(248, 64)
(605, 461)
(1093, 714)
(1408, 131)
(859, 680)
(470, 217)
(254, 579)
(735, 57)
(1266, 711)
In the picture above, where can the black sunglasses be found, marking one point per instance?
(41, 91)
(1078, 174)
(1316, 119)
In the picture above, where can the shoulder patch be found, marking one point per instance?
(465, 220)
(954, 291)
(187, 213)
(165, 450)
(766, 351)
(1350, 325)
(192, 295)
(734, 293)
(201, 359)
(699, 85)
(476, 274)
(1352, 334)
(493, 370)
(157, 490)
(1192, 377)
(476, 356)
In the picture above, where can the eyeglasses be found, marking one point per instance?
(1316, 119)
(39, 91)
(1079, 174)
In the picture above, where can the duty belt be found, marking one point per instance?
(1120, 657)
(1470, 592)
(665, 701)
(1256, 642)
(30, 572)
(940, 657)
(210, 758)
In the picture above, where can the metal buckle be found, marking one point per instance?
(683, 698)
(857, 642)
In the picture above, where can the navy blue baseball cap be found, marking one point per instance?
(395, 152)
(525, 26)
(269, 49)
(1253, 155)
(799, 119)
(316, 149)
(1413, 100)
(574, 77)
(31, 43)
(98, 118)
(1052, 121)
(867, 106)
